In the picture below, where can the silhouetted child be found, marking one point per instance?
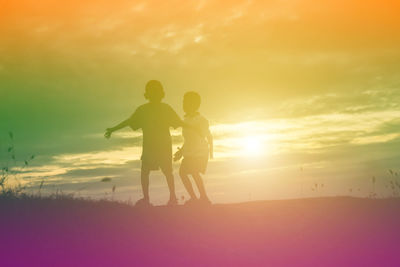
(155, 119)
(197, 147)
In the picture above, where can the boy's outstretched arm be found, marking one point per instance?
(210, 144)
(109, 131)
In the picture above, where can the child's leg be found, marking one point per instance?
(200, 185)
(144, 175)
(170, 181)
(186, 182)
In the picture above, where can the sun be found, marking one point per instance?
(251, 145)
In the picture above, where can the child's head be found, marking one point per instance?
(191, 102)
(154, 91)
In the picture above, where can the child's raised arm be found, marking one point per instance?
(134, 121)
(109, 131)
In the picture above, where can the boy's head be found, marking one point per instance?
(154, 91)
(191, 102)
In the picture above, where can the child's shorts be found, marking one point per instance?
(196, 164)
(159, 162)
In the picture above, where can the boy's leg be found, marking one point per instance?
(186, 182)
(200, 185)
(167, 171)
(144, 175)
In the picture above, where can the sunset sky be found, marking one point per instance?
(297, 92)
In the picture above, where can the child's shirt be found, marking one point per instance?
(155, 119)
(195, 142)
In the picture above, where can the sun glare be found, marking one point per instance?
(251, 145)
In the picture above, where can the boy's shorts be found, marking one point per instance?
(154, 164)
(197, 164)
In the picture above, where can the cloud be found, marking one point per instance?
(383, 138)
(100, 158)
(139, 7)
(353, 102)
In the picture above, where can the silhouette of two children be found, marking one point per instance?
(155, 118)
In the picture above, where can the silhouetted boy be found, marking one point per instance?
(197, 147)
(154, 118)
